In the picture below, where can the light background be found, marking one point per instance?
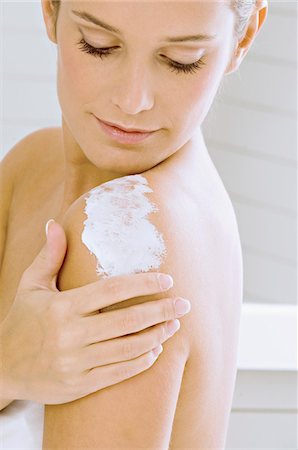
(251, 134)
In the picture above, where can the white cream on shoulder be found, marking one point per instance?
(117, 230)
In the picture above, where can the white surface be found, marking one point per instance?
(264, 411)
(21, 426)
(268, 337)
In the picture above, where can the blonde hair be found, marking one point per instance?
(242, 8)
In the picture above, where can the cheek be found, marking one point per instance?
(74, 75)
(189, 103)
(193, 100)
(198, 94)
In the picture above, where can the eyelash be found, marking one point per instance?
(175, 66)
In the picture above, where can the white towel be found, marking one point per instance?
(21, 426)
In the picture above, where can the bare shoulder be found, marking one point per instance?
(204, 258)
(32, 159)
(200, 241)
(119, 406)
(136, 199)
(24, 151)
(206, 262)
(16, 170)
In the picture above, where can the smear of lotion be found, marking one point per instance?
(117, 230)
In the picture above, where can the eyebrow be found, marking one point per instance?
(89, 18)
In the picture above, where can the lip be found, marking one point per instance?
(128, 130)
(122, 136)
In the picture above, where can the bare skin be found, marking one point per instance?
(34, 371)
(27, 220)
(204, 187)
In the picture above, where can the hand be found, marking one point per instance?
(57, 348)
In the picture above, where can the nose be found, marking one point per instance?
(133, 93)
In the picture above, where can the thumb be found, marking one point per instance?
(45, 267)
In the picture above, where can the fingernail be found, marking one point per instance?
(165, 281)
(48, 224)
(182, 306)
(157, 350)
(173, 326)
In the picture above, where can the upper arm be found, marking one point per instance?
(183, 400)
(139, 411)
(206, 394)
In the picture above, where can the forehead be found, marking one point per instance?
(154, 15)
(143, 2)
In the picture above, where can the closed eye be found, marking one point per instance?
(174, 65)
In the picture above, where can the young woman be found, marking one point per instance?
(142, 200)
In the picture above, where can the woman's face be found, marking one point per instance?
(134, 84)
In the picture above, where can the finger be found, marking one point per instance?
(108, 291)
(132, 319)
(101, 377)
(126, 348)
(43, 270)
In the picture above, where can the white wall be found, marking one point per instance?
(28, 69)
(251, 132)
(264, 414)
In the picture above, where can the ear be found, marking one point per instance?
(49, 16)
(255, 23)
